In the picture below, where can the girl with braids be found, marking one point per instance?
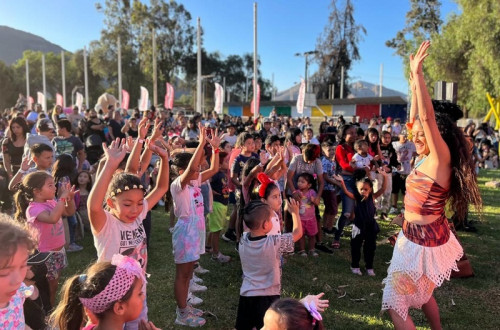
(36, 199)
(426, 251)
(110, 293)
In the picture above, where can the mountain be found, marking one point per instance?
(14, 42)
(357, 89)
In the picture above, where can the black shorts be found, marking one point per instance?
(399, 183)
(251, 311)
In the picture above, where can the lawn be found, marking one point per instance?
(354, 301)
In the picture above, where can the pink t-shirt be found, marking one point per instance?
(51, 235)
(307, 210)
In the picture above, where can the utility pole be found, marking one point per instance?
(119, 70)
(255, 59)
(198, 71)
(85, 75)
(63, 73)
(155, 72)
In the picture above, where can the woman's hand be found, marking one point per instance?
(417, 59)
(321, 304)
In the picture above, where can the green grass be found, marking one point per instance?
(464, 303)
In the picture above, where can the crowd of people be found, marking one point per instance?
(104, 171)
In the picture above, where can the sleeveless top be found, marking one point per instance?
(424, 196)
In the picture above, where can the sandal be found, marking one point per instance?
(302, 253)
(336, 245)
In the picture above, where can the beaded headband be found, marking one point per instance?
(126, 188)
(127, 270)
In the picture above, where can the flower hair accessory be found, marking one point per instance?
(127, 270)
(264, 182)
(126, 188)
(311, 308)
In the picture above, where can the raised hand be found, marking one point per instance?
(320, 304)
(143, 127)
(215, 140)
(129, 144)
(292, 206)
(115, 152)
(26, 163)
(157, 129)
(66, 190)
(202, 135)
(417, 59)
(150, 144)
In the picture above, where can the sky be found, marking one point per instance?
(284, 28)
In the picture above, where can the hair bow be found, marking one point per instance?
(311, 308)
(264, 182)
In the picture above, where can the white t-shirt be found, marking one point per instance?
(275, 220)
(230, 138)
(260, 261)
(362, 161)
(187, 202)
(118, 237)
(405, 152)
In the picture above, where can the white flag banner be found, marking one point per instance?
(40, 98)
(143, 103)
(301, 97)
(79, 101)
(219, 98)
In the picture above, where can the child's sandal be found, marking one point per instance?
(336, 245)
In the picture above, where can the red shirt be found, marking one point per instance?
(343, 156)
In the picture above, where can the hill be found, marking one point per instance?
(356, 90)
(15, 42)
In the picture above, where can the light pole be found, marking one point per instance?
(202, 79)
(306, 55)
(246, 87)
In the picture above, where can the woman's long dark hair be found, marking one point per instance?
(463, 187)
(375, 147)
(291, 135)
(342, 132)
(21, 122)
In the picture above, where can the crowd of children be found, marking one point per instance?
(274, 181)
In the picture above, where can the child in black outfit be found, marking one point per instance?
(365, 228)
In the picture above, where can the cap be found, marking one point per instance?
(389, 118)
(267, 120)
(45, 125)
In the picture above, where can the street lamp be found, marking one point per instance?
(306, 55)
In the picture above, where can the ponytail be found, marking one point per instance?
(69, 314)
(22, 200)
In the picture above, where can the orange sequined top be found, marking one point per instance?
(424, 196)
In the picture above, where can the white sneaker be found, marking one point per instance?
(171, 230)
(221, 258)
(73, 247)
(195, 287)
(193, 300)
(356, 271)
(370, 272)
(393, 210)
(196, 279)
(200, 270)
(195, 311)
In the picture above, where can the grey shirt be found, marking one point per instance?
(260, 260)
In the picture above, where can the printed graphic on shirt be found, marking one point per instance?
(133, 244)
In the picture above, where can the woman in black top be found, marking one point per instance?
(13, 146)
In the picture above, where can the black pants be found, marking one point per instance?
(147, 227)
(370, 244)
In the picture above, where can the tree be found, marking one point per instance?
(10, 86)
(337, 47)
(467, 51)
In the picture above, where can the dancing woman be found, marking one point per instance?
(426, 251)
